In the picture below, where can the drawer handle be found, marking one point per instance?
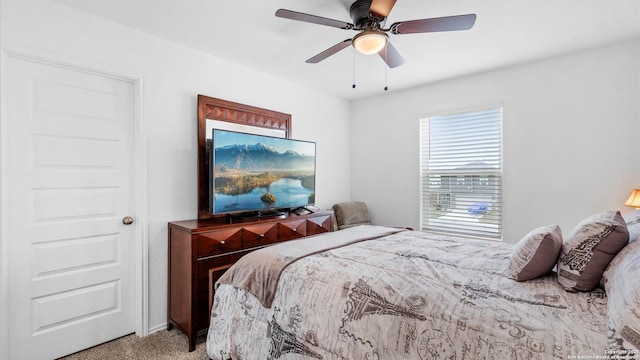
(222, 242)
(261, 235)
(294, 229)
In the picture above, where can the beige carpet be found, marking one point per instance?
(161, 345)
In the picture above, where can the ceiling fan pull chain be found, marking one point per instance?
(354, 68)
(385, 70)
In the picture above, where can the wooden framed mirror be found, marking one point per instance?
(214, 112)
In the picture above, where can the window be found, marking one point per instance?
(461, 173)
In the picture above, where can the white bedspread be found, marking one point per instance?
(409, 295)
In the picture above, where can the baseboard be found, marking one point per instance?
(158, 328)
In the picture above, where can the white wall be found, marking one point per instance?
(172, 76)
(571, 149)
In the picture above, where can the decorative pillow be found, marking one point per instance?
(589, 249)
(633, 224)
(349, 214)
(623, 302)
(536, 253)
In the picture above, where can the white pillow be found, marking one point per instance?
(623, 301)
(633, 224)
(632, 220)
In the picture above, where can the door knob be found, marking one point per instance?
(127, 220)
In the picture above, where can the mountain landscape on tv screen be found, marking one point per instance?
(259, 157)
(257, 176)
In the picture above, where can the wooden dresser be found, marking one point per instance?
(200, 251)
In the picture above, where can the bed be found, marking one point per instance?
(373, 292)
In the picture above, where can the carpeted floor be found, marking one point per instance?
(161, 345)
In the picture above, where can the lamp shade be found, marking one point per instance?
(634, 199)
(370, 41)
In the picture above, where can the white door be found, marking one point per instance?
(70, 159)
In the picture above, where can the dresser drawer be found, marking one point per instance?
(218, 242)
(319, 225)
(209, 271)
(259, 235)
(293, 229)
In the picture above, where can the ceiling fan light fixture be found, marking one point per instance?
(370, 41)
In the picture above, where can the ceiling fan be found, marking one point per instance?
(369, 17)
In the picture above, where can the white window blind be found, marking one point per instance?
(461, 173)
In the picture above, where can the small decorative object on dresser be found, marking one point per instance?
(200, 251)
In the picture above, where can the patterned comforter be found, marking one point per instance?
(408, 295)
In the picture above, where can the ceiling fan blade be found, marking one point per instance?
(448, 23)
(330, 51)
(381, 8)
(391, 56)
(294, 15)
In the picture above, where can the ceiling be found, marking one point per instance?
(506, 32)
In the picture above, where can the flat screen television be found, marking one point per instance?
(255, 174)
